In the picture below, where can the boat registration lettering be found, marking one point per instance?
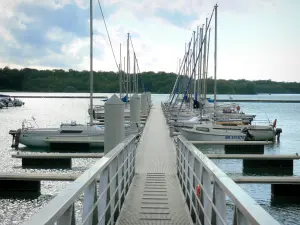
(234, 137)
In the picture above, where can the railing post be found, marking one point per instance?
(182, 152)
(178, 156)
(112, 188)
(198, 171)
(126, 172)
(219, 199)
(134, 146)
(68, 218)
(191, 176)
(103, 196)
(206, 197)
(238, 217)
(120, 181)
(197, 181)
(131, 161)
(178, 149)
(88, 203)
(186, 168)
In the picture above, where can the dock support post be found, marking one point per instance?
(244, 149)
(285, 193)
(268, 166)
(114, 131)
(268, 163)
(135, 111)
(20, 188)
(144, 104)
(42, 163)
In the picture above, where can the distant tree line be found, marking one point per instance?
(33, 80)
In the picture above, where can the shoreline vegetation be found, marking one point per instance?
(33, 80)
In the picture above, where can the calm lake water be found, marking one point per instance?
(52, 112)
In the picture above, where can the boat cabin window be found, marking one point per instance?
(204, 119)
(204, 129)
(71, 131)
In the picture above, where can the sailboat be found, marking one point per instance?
(204, 133)
(7, 101)
(68, 133)
(209, 132)
(213, 130)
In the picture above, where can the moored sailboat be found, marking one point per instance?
(212, 132)
(72, 133)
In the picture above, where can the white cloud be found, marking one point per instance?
(82, 3)
(6, 35)
(10, 5)
(58, 34)
(76, 48)
(252, 44)
(158, 44)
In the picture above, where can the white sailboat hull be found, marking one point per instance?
(40, 141)
(42, 138)
(193, 135)
(231, 133)
(38, 137)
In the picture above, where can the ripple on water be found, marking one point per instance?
(51, 112)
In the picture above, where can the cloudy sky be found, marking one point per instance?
(257, 39)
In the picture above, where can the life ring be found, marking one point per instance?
(198, 190)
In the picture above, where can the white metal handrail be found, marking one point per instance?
(104, 187)
(207, 204)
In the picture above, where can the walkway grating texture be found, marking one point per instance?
(155, 196)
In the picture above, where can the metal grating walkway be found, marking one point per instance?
(155, 196)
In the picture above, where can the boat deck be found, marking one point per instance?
(155, 196)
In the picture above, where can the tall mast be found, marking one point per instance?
(91, 63)
(127, 65)
(184, 68)
(137, 73)
(179, 75)
(134, 74)
(204, 60)
(125, 78)
(207, 55)
(120, 71)
(215, 62)
(200, 65)
(194, 52)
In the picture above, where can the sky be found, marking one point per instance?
(257, 39)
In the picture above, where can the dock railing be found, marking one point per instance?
(207, 190)
(102, 188)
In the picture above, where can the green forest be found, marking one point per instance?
(32, 80)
